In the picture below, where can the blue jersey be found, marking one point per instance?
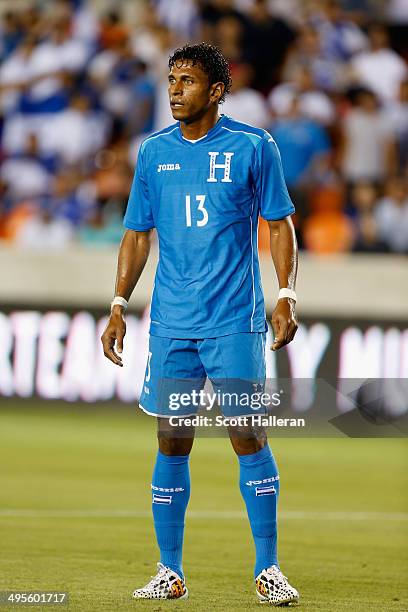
(204, 199)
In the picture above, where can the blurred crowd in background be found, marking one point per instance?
(82, 83)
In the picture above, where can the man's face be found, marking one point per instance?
(190, 93)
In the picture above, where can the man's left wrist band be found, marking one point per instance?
(119, 301)
(287, 293)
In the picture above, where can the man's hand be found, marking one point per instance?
(114, 331)
(133, 254)
(284, 323)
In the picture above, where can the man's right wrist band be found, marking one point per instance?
(119, 301)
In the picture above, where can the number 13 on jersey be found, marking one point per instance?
(200, 208)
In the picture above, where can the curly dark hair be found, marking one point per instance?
(211, 61)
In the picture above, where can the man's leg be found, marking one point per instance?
(259, 484)
(171, 491)
(236, 366)
(173, 367)
(236, 363)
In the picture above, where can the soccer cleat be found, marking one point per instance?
(167, 584)
(273, 587)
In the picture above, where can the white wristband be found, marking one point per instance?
(287, 293)
(119, 301)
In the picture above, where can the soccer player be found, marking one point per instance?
(202, 183)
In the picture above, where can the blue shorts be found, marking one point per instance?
(177, 370)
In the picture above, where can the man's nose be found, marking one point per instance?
(177, 89)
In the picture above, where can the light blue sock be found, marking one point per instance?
(259, 484)
(170, 495)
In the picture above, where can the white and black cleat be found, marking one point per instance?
(167, 584)
(273, 588)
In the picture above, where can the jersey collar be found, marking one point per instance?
(214, 130)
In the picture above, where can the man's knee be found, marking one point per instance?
(247, 440)
(174, 440)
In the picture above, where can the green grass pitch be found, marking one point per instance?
(75, 503)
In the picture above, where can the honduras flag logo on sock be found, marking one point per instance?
(162, 499)
(259, 491)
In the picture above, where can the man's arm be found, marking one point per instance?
(285, 258)
(133, 254)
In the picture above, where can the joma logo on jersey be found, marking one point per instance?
(163, 167)
(214, 166)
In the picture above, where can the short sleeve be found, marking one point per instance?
(139, 216)
(275, 202)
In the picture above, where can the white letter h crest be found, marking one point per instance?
(227, 167)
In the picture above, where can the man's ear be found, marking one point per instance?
(217, 90)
